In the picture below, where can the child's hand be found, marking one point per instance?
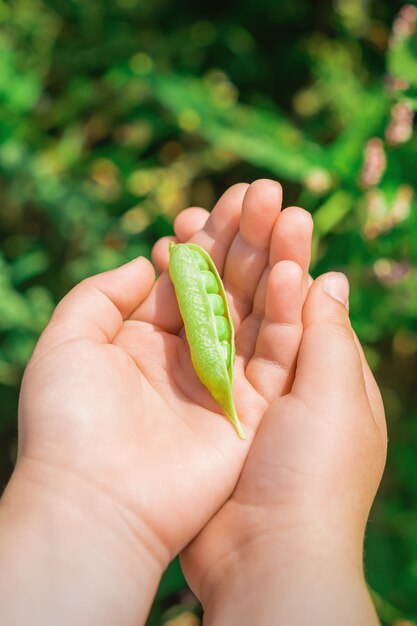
(124, 455)
(288, 543)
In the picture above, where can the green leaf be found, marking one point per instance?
(329, 214)
(264, 138)
(402, 59)
(29, 265)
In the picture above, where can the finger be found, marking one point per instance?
(295, 225)
(291, 240)
(161, 308)
(186, 224)
(189, 221)
(374, 395)
(249, 252)
(160, 253)
(271, 368)
(222, 225)
(328, 361)
(97, 306)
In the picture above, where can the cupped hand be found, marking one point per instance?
(299, 510)
(110, 404)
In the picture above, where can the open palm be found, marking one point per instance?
(110, 396)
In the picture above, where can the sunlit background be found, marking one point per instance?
(116, 115)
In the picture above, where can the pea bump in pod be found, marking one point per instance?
(207, 321)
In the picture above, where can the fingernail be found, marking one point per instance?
(337, 287)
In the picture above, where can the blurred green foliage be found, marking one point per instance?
(116, 115)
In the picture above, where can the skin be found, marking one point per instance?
(116, 430)
(294, 526)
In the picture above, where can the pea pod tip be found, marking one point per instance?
(233, 418)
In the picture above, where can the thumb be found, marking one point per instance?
(96, 307)
(328, 359)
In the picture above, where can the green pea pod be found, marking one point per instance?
(207, 321)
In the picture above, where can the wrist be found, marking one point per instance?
(70, 551)
(254, 535)
(304, 578)
(268, 571)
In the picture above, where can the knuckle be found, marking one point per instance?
(334, 324)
